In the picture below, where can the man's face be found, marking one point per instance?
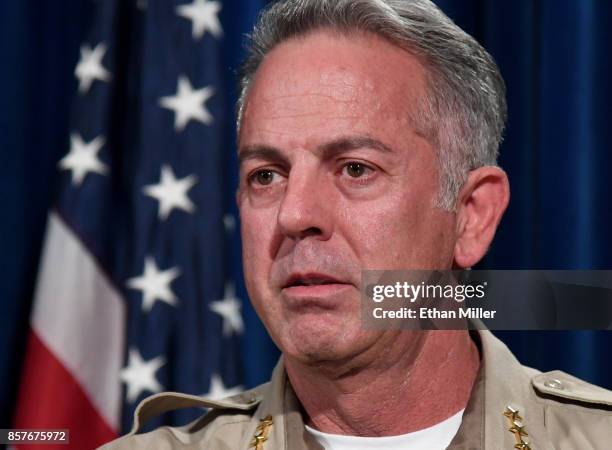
(334, 179)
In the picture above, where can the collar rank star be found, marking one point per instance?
(517, 428)
(261, 433)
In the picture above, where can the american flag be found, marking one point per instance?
(136, 293)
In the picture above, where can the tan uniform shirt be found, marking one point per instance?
(511, 406)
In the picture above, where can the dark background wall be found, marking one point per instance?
(554, 55)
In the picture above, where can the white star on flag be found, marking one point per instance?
(171, 192)
(139, 375)
(154, 284)
(203, 16)
(188, 104)
(90, 68)
(229, 310)
(83, 158)
(217, 389)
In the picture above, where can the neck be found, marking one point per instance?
(400, 393)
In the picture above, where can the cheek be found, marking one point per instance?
(399, 231)
(373, 230)
(257, 231)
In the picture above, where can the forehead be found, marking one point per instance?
(327, 82)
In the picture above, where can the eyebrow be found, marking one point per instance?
(327, 150)
(344, 144)
(264, 152)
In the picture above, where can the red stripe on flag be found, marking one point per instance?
(50, 398)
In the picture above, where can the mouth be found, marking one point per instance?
(311, 279)
(313, 285)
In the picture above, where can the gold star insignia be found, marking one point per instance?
(512, 414)
(518, 428)
(261, 433)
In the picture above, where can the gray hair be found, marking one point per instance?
(465, 110)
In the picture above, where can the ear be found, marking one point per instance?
(480, 205)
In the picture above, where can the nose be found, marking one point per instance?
(305, 208)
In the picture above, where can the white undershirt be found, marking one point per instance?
(437, 437)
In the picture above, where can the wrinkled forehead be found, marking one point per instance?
(337, 79)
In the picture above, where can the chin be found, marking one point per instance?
(317, 341)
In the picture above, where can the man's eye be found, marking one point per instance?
(264, 177)
(356, 169)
